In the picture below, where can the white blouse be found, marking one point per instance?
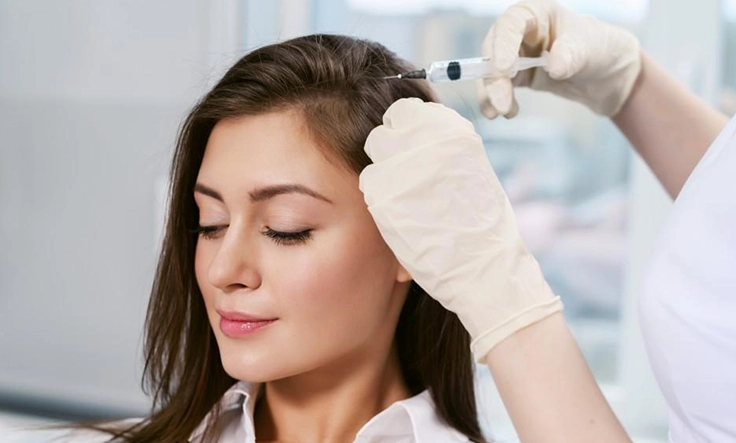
(413, 420)
(688, 301)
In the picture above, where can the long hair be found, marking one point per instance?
(336, 84)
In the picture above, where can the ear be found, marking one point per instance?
(402, 275)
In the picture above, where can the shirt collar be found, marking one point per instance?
(413, 420)
(241, 395)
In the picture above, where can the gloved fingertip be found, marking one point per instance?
(483, 101)
(487, 109)
(399, 109)
(375, 141)
(513, 111)
(501, 94)
(368, 146)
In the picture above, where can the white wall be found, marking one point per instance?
(91, 95)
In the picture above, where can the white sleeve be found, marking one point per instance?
(687, 306)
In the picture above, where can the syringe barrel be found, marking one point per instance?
(465, 69)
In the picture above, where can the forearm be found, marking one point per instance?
(670, 127)
(548, 389)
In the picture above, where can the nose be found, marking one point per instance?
(234, 266)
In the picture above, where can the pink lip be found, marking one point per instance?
(237, 324)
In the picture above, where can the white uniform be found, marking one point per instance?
(413, 420)
(688, 301)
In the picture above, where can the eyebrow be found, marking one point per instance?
(264, 193)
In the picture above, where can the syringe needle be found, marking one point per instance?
(418, 74)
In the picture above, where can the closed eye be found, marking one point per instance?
(288, 238)
(279, 237)
(209, 232)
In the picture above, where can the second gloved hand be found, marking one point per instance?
(440, 208)
(590, 61)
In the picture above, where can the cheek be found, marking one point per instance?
(343, 280)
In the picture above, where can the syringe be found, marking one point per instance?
(469, 69)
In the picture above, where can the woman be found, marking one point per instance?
(438, 206)
(278, 312)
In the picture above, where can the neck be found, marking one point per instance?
(329, 405)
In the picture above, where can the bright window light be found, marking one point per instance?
(622, 10)
(729, 10)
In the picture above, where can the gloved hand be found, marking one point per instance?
(440, 208)
(591, 62)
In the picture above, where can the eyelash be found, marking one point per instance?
(279, 237)
(207, 232)
(288, 238)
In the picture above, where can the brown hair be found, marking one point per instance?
(336, 84)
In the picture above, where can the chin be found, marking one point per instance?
(254, 365)
(262, 366)
(247, 369)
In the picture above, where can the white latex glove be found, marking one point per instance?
(440, 208)
(590, 61)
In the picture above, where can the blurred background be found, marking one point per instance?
(91, 96)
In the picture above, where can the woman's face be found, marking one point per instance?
(294, 273)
